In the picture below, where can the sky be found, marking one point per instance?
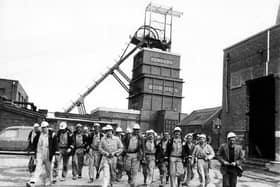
(57, 48)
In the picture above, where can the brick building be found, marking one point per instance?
(156, 89)
(12, 90)
(205, 121)
(13, 115)
(251, 94)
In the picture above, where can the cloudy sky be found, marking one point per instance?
(57, 48)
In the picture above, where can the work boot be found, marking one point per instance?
(90, 180)
(62, 179)
(74, 177)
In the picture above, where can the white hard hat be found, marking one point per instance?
(96, 125)
(63, 125)
(44, 124)
(231, 135)
(189, 134)
(118, 129)
(36, 125)
(129, 130)
(85, 128)
(79, 125)
(202, 136)
(108, 127)
(177, 129)
(136, 126)
(149, 131)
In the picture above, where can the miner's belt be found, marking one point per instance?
(175, 156)
(150, 154)
(63, 147)
(131, 152)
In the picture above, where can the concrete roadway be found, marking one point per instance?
(13, 172)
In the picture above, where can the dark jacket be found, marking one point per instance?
(169, 148)
(89, 139)
(223, 157)
(188, 150)
(139, 147)
(32, 146)
(69, 138)
(161, 155)
(84, 144)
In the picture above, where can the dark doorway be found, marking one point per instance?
(261, 98)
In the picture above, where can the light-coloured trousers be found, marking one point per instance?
(176, 170)
(131, 165)
(43, 171)
(109, 170)
(94, 157)
(203, 171)
(148, 169)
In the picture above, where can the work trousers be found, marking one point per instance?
(148, 169)
(131, 167)
(94, 161)
(64, 156)
(176, 171)
(230, 178)
(109, 170)
(42, 172)
(78, 162)
(203, 171)
(120, 166)
(163, 171)
(188, 171)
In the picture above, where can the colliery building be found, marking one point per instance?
(156, 89)
(251, 95)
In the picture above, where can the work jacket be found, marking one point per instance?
(223, 156)
(169, 148)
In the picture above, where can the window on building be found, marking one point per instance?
(2, 91)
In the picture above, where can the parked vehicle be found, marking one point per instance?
(14, 138)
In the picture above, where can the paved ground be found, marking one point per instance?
(13, 172)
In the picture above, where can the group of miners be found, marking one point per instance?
(115, 153)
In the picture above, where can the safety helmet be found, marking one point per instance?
(189, 134)
(202, 136)
(118, 129)
(177, 129)
(96, 125)
(85, 128)
(36, 125)
(63, 125)
(108, 127)
(78, 125)
(129, 130)
(136, 126)
(149, 131)
(44, 124)
(231, 135)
